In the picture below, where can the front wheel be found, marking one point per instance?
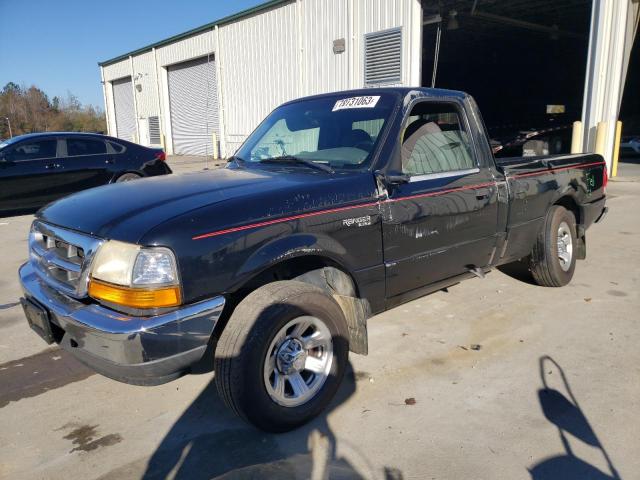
(281, 357)
(553, 259)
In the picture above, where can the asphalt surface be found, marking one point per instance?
(492, 379)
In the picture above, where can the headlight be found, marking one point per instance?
(134, 276)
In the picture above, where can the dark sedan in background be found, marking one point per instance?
(38, 168)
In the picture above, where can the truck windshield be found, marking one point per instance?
(338, 131)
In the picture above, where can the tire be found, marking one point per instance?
(128, 177)
(548, 267)
(252, 357)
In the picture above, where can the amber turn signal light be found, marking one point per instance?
(135, 297)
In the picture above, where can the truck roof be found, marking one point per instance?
(432, 92)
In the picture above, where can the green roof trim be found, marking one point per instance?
(194, 31)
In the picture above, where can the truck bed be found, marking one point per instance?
(516, 165)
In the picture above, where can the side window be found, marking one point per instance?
(85, 146)
(435, 141)
(117, 148)
(280, 140)
(32, 150)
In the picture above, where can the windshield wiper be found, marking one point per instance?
(298, 160)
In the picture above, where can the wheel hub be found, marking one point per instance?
(291, 356)
(298, 361)
(565, 246)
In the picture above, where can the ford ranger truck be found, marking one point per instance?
(336, 208)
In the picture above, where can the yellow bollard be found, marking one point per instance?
(616, 149)
(576, 137)
(601, 133)
(214, 143)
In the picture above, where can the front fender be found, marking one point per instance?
(292, 246)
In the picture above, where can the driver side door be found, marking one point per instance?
(442, 221)
(28, 172)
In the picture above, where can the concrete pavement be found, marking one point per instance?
(495, 378)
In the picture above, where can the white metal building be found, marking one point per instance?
(202, 92)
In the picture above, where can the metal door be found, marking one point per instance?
(193, 103)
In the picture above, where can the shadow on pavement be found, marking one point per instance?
(566, 414)
(18, 212)
(209, 442)
(518, 271)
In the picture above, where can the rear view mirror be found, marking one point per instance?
(301, 121)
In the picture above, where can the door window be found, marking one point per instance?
(83, 146)
(32, 151)
(435, 141)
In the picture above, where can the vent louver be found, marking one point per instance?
(154, 131)
(383, 57)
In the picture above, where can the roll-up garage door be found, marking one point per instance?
(125, 111)
(193, 101)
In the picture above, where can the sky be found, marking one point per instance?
(56, 44)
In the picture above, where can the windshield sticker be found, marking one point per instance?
(356, 102)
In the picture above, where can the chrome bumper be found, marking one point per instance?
(138, 350)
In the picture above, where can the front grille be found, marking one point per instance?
(62, 257)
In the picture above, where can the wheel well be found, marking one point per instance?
(285, 270)
(290, 269)
(570, 204)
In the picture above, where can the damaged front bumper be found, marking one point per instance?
(137, 350)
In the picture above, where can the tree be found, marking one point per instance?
(30, 110)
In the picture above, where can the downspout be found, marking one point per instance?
(218, 59)
(135, 103)
(351, 43)
(104, 97)
(302, 87)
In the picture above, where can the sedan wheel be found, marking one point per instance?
(127, 177)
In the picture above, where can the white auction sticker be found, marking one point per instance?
(356, 102)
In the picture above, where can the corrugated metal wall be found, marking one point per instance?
(273, 56)
(322, 23)
(260, 68)
(193, 47)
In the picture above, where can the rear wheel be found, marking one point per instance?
(281, 358)
(128, 177)
(553, 260)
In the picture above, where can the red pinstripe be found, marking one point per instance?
(532, 174)
(440, 192)
(370, 204)
(281, 220)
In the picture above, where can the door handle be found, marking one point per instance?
(52, 166)
(110, 161)
(482, 194)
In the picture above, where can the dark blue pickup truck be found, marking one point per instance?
(337, 207)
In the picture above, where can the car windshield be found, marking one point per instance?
(338, 131)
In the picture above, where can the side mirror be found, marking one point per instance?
(393, 178)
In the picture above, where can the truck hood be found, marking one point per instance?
(126, 211)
